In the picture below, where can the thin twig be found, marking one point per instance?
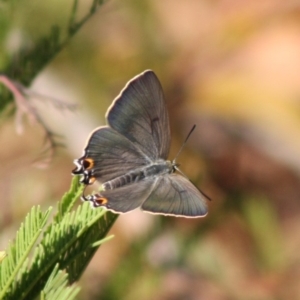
(24, 107)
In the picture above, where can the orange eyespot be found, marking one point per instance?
(88, 163)
(92, 180)
(101, 201)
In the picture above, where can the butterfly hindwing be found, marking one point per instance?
(177, 196)
(110, 155)
(125, 198)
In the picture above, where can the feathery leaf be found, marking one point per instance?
(70, 241)
(57, 287)
(16, 259)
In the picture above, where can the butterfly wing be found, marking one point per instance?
(174, 195)
(139, 113)
(108, 155)
(138, 134)
(125, 198)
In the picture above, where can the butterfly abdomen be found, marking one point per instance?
(158, 168)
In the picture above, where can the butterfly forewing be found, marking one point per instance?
(139, 113)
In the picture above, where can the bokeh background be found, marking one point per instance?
(232, 67)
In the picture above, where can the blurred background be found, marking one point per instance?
(231, 67)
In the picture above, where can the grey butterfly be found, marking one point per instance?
(129, 157)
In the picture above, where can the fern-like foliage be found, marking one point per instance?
(69, 199)
(57, 287)
(32, 265)
(69, 241)
(24, 66)
(17, 254)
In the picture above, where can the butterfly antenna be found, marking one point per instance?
(178, 170)
(174, 160)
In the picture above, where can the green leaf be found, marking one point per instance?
(69, 199)
(24, 66)
(57, 287)
(71, 240)
(16, 259)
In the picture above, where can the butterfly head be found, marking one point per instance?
(175, 166)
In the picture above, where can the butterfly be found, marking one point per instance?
(128, 157)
